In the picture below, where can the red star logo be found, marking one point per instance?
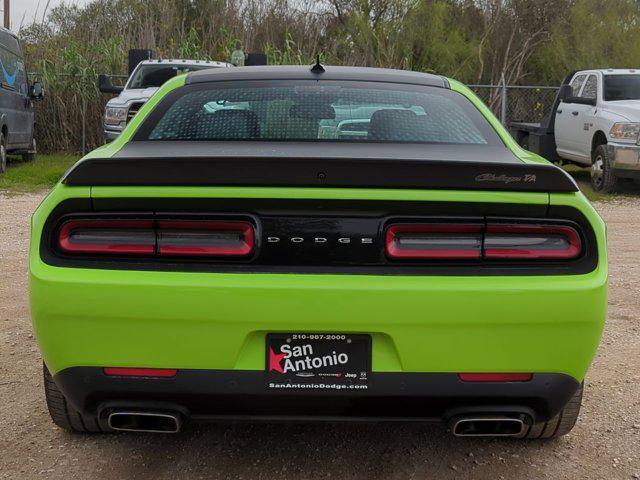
(274, 361)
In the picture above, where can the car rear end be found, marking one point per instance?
(272, 279)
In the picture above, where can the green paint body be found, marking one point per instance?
(90, 317)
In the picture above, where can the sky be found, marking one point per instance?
(30, 9)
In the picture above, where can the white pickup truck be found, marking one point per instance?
(144, 81)
(595, 122)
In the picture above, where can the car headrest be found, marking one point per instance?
(228, 124)
(394, 125)
(312, 111)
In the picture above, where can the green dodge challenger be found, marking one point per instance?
(326, 243)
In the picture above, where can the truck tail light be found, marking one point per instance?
(130, 237)
(434, 241)
(147, 238)
(236, 239)
(530, 241)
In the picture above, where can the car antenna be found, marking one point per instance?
(317, 68)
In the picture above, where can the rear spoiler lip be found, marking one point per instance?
(319, 172)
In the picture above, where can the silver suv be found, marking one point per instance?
(145, 79)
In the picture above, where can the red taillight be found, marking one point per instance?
(140, 372)
(135, 237)
(495, 241)
(529, 241)
(434, 240)
(164, 238)
(495, 377)
(198, 238)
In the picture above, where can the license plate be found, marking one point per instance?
(297, 361)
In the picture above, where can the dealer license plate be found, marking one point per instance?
(318, 361)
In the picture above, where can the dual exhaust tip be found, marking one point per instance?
(145, 421)
(489, 426)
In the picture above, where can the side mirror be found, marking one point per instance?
(36, 91)
(566, 92)
(105, 86)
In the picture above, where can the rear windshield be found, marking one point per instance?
(318, 111)
(155, 75)
(621, 87)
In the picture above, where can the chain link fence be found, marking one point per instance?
(517, 103)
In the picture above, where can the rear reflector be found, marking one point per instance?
(434, 240)
(108, 236)
(516, 241)
(140, 372)
(205, 238)
(164, 238)
(495, 377)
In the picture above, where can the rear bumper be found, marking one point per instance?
(233, 394)
(220, 321)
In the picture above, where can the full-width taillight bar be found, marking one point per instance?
(493, 241)
(149, 238)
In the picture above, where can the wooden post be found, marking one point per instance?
(7, 16)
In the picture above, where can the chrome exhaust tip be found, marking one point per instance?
(140, 421)
(488, 426)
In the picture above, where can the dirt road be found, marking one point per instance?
(604, 445)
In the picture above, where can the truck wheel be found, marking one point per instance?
(63, 414)
(30, 156)
(3, 154)
(562, 423)
(603, 178)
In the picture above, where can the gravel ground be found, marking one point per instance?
(605, 444)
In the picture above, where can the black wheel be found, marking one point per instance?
(30, 156)
(603, 178)
(63, 414)
(524, 142)
(3, 154)
(562, 423)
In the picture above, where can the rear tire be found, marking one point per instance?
(603, 178)
(562, 423)
(63, 414)
(30, 156)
